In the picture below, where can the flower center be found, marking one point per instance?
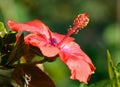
(53, 42)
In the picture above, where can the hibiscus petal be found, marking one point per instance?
(49, 51)
(39, 41)
(34, 26)
(77, 61)
(43, 29)
(74, 49)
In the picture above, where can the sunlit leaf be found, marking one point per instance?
(30, 74)
(2, 30)
(111, 67)
(113, 73)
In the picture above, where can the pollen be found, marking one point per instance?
(81, 21)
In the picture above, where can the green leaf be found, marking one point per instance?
(111, 67)
(30, 75)
(118, 72)
(2, 30)
(83, 85)
(103, 83)
(118, 67)
(113, 73)
(5, 77)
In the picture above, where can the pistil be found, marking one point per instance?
(79, 23)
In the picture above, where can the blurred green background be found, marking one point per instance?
(101, 33)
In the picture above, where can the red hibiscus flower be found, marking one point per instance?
(52, 44)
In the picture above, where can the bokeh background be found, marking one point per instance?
(103, 31)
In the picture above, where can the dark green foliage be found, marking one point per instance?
(118, 67)
(9, 38)
(114, 75)
(17, 51)
(11, 52)
(103, 83)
